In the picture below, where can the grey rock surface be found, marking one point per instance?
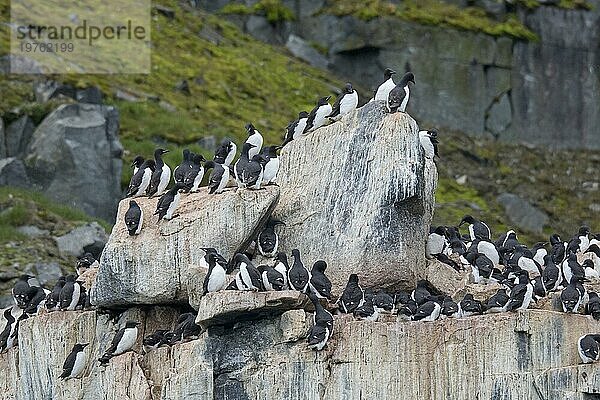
(522, 213)
(13, 173)
(88, 238)
(152, 268)
(304, 51)
(75, 157)
(359, 194)
(534, 353)
(18, 135)
(2, 139)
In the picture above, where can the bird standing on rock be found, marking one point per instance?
(219, 177)
(141, 179)
(168, 203)
(195, 173)
(322, 329)
(298, 275)
(254, 138)
(225, 153)
(248, 276)
(383, 91)
(296, 128)
(161, 176)
(319, 284)
(249, 171)
(180, 171)
(267, 240)
(134, 218)
(398, 98)
(318, 115)
(75, 362)
(429, 142)
(345, 102)
(122, 342)
(352, 296)
(272, 166)
(215, 279)
(588, 347)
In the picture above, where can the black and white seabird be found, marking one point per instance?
(155, 340)
(583, 236)
(248, 276)
(215, 279)
(383, 91)
(497, 303)
(477, 228)
(588, 347)
(594, 253)
(428, 311)
(539, 252)
(367, 311)
(345, 102)
(70, 294)
(137, 163)
(559, 249)
(437, 243)
(7, 336)
(218, 178)
(429, 143)
(298, 275)
(397, 100)
(168, 203)
(180, 171)
(24, 290)
(272, 279)
(469, 306)
(254, 138)
(320, 285)
(194, 175)
(272, 166)
(318, 115)
(572, 295)
(134, 218)
(571, 267)
(87, 261)
(482, 267)
(521, 294)
(185, 329)
(352, 296)
(37, 300)
(318, 337)
(590, 272)
(281, 266)
(296, 128)
(225, 153)
(249, 171)
(449, 308)
(551, 275)
(75, 362)
(268, 241)
(53, 298)
(161, 176)
(593, 305)
(383, 302)
(421, 293)
(141, 179)
(122, 342)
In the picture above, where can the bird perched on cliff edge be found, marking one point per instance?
(168, 203)
(398, 98)
(161, 176)
(382, 92)
(122, 342)
(254, 138)
(294, 129)
(352, 296)
(225, 153)
(345, 102)
(75, 362)
(317, 116)
(141, 179)
(134, 218)
(429, 143)
(588, 347)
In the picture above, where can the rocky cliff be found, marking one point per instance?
(542, 89)
(377, 195)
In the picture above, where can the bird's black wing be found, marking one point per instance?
(311, 119)
(135, 182)
(255, 276)
(322, 284)
(115, 341)
(395, 98)
(516, 297)
(221, 153)
(215, 178)
(424, 310)
(163, 203)
(154, 182)
(68, 365)
(251, 173)
(267, 239)
(335, 109)
(180, 171)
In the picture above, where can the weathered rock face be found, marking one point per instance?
(526, 355)
(543, 92)
(75, 157)
(152, 268)
(359, 195)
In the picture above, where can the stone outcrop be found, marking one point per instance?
(359, 195)
(74, 157)
(525, 355)
(541, 92)
(152, 268)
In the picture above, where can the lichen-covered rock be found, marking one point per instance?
(150, 268)
(220, 308)
(359, 195)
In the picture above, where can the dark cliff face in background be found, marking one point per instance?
(543, 91)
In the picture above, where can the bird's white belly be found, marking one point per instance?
(127, 341)
(348, 103)
(165, 178)
(217, 279)
(79, 365)
(172, 206)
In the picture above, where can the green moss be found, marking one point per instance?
(434, 12)
(273, 10)
(566, 4)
